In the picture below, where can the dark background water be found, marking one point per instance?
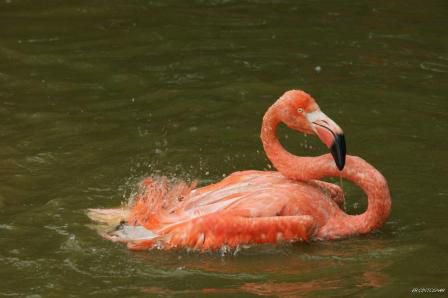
(95, 95)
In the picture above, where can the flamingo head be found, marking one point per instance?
(299, 111)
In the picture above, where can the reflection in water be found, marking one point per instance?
(367, 280)
(288, 271)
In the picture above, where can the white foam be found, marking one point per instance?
(129, 233)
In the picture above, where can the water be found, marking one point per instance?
(95, 95)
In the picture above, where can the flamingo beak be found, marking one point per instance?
(330, 134)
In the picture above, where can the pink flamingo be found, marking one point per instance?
(250, 207)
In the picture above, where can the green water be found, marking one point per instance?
(95, 95)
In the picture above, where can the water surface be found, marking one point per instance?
(95, 95)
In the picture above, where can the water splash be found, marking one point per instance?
(343, 192)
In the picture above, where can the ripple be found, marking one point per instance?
(6, 227)
(434, 67)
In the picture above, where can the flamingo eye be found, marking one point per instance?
(300, 110)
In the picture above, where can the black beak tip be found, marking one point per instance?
(338, 151)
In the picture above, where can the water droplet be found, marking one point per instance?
(224, 250)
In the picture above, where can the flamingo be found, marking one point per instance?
(251, 207)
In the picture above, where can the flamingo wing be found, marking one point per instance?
(213, 231)
(246, 207)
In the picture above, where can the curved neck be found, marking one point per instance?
(292, 166)
(356, 170)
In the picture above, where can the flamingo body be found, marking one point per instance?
(245, 207)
